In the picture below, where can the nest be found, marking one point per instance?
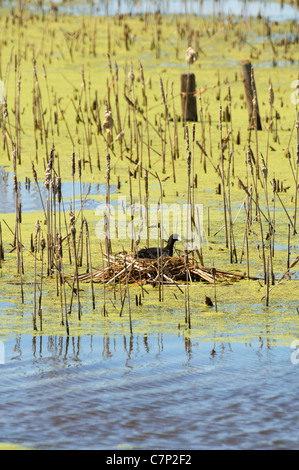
(171, 271)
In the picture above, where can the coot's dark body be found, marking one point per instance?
(153, 253)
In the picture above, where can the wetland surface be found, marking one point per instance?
(118, 366)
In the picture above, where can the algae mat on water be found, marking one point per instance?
(64, 78)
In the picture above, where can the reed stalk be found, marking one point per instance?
(37, 229)
(42, 245)
(76, 274)
(90, 264)
(18, 238)
(214, 280)
(189, 225)
(297, 179)
(223, 179)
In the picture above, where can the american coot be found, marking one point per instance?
(153, 253)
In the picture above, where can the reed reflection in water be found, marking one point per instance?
(152, 392)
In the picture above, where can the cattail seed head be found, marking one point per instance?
(250, 160)
(37, 227)
(265, 171)
(5, 111)
(146, 182)
(131, 75)
(73, 164)
(107, 175)
(43, 243)
(72, 218)
(108, 120)
(264, 168)
(191, 55)
(34, 172)
(189, 163)
(15, 184)
(59, 246)
(271, 95)
(187, 138)
(162, 91)
(59, 195)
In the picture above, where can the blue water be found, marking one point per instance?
(159, 392)
(269, 9)
(30, 196)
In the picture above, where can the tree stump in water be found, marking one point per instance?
(250, 91)
(188, 98)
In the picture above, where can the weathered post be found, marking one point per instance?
(250, 91)
(188, 98)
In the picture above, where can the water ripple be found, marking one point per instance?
(169, 398)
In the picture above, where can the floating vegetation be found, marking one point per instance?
(102, 102)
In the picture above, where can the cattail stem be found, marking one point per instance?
(267, 284)
(76, 274)
(37, 229)
(223, 179)
(42, 244)
(214, 279)
(90, 265)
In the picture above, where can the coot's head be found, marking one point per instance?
(171, 241)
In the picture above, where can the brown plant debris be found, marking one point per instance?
(172, 270)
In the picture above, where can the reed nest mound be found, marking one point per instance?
(169, 270)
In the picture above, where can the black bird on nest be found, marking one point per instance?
(154, 253)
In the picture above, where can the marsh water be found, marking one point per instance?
(230, 382)
(156, 392)
(272, 10)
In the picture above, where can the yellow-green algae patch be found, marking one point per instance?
(75, 82)
(6, 446)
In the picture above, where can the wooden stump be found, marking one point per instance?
(188, 98)
(250, 90)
